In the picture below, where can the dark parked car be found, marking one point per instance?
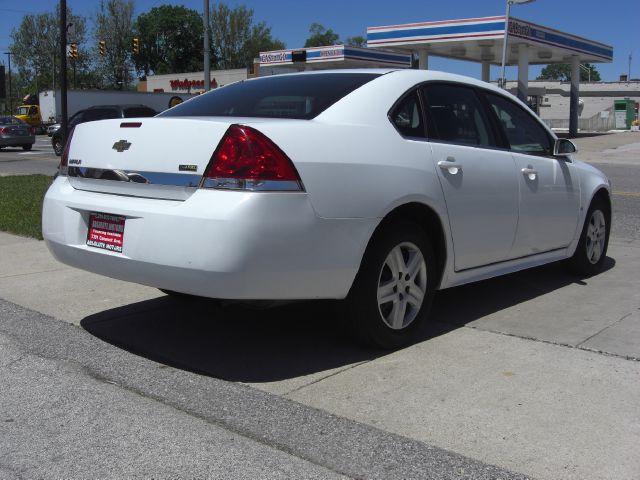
(100, 112)
(16, 133)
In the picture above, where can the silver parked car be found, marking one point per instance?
(16, 133)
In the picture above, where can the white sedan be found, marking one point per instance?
(374, 186)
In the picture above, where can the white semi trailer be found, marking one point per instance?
(50, 110)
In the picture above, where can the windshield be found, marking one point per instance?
(22, 111)
(279, 96)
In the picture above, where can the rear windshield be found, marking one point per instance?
(279, 96)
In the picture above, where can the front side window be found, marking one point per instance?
(407, 116)
(524, 133)
(455, 114)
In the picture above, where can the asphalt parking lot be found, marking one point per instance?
(39, 160)
(532, 375)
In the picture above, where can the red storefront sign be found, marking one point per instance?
(190, 84)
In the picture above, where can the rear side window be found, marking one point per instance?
(99, 114)
(279, 96)
(407, 116)
(455, 114)
(130, 112)
(524, 133)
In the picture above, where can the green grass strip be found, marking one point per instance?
(21, 204)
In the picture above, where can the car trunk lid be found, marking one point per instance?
(145, 157)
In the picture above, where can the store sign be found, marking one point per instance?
(519, 29)
(275, 57)
(190, 84)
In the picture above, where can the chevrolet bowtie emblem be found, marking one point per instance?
(121, 145)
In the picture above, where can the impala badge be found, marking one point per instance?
(121, 145)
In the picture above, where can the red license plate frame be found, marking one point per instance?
(106, 231)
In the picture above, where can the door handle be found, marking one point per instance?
(530, 173)
(451, 166)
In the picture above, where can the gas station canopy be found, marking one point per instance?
(481, 39)
(335, 56)
(472, 39)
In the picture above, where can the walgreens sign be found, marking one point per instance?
(190, 84)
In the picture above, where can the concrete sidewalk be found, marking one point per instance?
(536, 372)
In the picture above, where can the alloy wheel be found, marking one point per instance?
(402, 284)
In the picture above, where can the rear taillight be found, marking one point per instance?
(246, 159)
(64, 160)
(32, 130)
(4, 130)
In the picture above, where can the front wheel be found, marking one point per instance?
(26, 148)
(591, 252)
(392, 294)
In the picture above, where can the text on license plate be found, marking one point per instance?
(106, 231)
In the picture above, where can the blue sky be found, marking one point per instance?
(614, 22)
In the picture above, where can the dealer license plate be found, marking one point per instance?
(106, 231)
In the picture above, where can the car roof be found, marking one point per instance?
(424, 75)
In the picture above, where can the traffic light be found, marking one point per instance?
(135, 45)
(73, 50)
(102, 47)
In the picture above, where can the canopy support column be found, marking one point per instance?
(574, 96)
(523, 71)
(486, 70)
(423, 60)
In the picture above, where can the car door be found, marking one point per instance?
(549, 186)
(478, 178)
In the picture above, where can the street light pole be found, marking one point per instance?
(504, 45)
(503, 80)
(588, 70)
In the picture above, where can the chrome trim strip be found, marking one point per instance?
(139, 177)
(252, 185)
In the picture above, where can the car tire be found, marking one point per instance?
(591, 251)
(57, 146)
(390, 300)
(26, 148)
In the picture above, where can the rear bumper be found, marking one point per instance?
(17, 141)
(219, 244)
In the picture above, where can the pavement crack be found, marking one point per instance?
(31, 273)
(561, 344)
(297, 389)
(602, 330)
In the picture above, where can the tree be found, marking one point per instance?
(113, 24)
(170, 40)
(320, 36)
(357, 41)
(235, 39)
(36, 48)
(562, 72)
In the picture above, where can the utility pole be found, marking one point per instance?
(63, 70)
(207, 48)
(8, 54)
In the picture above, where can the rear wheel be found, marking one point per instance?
(591, 252)
(391, 297)
(26, 147)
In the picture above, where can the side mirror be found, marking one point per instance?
(564, 148)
